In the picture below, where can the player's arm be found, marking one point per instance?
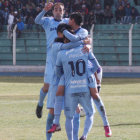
(71, 45)
(94, 61)
(59, 69)
(74, 38)
(40, 19)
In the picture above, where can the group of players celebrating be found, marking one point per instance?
(72, 74)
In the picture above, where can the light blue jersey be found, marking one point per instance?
(75, 66)
(56, 47)
(50, 25)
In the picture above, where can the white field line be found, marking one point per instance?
(18, 102)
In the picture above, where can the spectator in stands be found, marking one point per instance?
(18, 5)
(30, 23)
(20, 27)
(136, 2)
(84, 9)
(97, 3)
(125, 3)
(108, 2)
(108, 15)
(99, 14)
(89, 20)
(10, 23)
(119, 14)
(5, 15)
(24, 14)
(0, 22)
(135, 15)
(127, 18)
(119, 3)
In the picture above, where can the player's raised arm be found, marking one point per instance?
(40, 17)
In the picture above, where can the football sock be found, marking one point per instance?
(41, 97)
(99, 88)
(57, 108)
(69, 128)
(88, 124)
(76, 124)
(101, 109)
(49, 123)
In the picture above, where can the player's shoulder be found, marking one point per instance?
(65, 20)
(83, 30)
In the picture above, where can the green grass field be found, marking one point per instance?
(18, 100)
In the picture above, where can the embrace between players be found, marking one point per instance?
(72, 74)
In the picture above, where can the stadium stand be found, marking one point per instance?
(110, 41)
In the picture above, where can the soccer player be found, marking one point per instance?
(57, 46)
(75, 21)
(50, 25)
(75, 64)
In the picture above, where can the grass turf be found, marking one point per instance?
(18, 100)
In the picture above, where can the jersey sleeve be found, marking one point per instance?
(72, 37)
(83, 33)
(59, 68)
(71, 45)
(41, 20)
(94, 61)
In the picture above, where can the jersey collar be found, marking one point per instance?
(57, 20)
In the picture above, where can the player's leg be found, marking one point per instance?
(87, 104)
(44, 90)
(50, 106)
(43, 93)
(99, 103)
(49, 123)
(99, 79)
(57, 109)
(59, 100)
(76, 123)
(71, 103)
(101, 109)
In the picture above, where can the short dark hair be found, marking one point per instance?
(77, 18)
(58, 39)
(63, 26)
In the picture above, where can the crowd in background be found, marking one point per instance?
(93, 11)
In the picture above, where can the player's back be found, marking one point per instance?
(74, 63)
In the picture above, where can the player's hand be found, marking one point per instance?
(48, 6)
(86, 48)
(78, 109)
(87, 40)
